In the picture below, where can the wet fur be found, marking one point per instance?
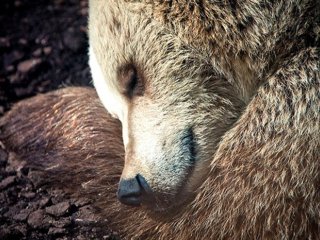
(264, 178)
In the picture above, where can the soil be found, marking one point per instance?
(43, 46)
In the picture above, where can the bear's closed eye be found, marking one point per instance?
(130, 80)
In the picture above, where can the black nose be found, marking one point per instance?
(133, 191)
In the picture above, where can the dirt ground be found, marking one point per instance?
(43, 46)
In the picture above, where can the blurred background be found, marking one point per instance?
(43, 46)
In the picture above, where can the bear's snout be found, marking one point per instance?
(133, 191)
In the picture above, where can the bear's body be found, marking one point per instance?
(243, 77)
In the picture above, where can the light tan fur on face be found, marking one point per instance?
(173, 101)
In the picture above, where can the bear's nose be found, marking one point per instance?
(132, 191)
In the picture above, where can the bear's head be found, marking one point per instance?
(173, 102)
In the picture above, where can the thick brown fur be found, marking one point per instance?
(56, 132)
(247, 39)
(264, 177)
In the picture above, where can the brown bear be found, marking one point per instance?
(219, 104)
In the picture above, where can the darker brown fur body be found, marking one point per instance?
(257, 183)
(248, 40)
(263, 180)
(64, 134)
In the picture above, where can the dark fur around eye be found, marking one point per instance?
(130, 80)
(188, 145)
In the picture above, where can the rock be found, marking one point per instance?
(14, 78)
(22, 205)
(18, 3)
(47, 222)
(44, 202)
(84, 11)
(81, 237)
(81, 202)
(36, 178)
(4, 232)
(28, 65)
(22, 215)
(84, 4)
(74, 40)
(62, 222)
(23, 41)
(7, 182)
(47, 50)
(56, 231)
(86, 216)
(37, 52)
(10, 170)
(44, 41)
(59, 209)
(1, 110)
(108, 236)
(28, 195)
(4, 42)
(9, 69)
(37, 235)
(12, 211)
(17, 55)
(18, 231)
(59, 2)
(84, 29)
(35, 219)
(57, 196)
(43, 85)
(23, 91)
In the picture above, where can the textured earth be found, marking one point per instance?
(43, 46)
